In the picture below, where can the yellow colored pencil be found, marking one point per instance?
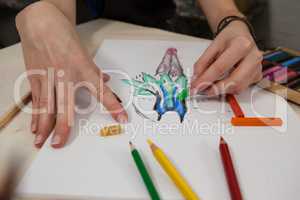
(173, 173)
(11, 113)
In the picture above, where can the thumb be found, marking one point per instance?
(105, 95)
(109, 100)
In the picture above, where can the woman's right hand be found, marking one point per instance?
(51, 44)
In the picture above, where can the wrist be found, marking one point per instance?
(29, 14)
(222, 14)
(243, 23)
(35, 21)
(37, 8)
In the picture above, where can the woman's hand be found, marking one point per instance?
(56, 63)
(233, 51)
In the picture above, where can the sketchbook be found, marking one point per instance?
(152, 79)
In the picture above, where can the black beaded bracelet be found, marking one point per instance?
(227, 20)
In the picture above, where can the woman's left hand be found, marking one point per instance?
(234, 51)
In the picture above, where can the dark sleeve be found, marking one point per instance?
(8, 11)
(96, 7)
(16, 5)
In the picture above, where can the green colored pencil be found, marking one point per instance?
(144, 173)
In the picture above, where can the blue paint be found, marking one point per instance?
(169, 103)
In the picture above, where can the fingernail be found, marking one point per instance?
(122, 118)
(33, 127)
(38, 139)
(56, 140)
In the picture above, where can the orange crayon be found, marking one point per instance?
(256, 121)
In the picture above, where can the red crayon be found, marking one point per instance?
(267, 64)
(256, 121)
(231, 178)
(238, 112)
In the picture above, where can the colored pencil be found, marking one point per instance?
(256, 121)
(238, 112)
(11, 113)
(117, 97)
(295, 67)
(294, 84)
(284, 77)
(291, 62)
(173, 173)
(144, 173)
(267, 64)
(278, 56)
(231, 177)
(272, 70)
(272, 54)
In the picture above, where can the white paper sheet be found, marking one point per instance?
(93, 167)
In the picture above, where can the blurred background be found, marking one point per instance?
(275, 21)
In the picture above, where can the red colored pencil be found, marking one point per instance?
(238, 112)
(232, 181)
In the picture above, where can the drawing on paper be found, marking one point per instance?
(169, 86)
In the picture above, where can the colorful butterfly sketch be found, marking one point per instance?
(169, 85)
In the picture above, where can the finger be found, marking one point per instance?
(46, 117)
(35, 92)
(207, 58)
(65, 114)
(231, 56)
(248, 72)
(258, 76)
(104, 95)
(113, 106)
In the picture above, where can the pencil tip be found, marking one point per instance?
(131, 145)
(222, 140)
(149, 142)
